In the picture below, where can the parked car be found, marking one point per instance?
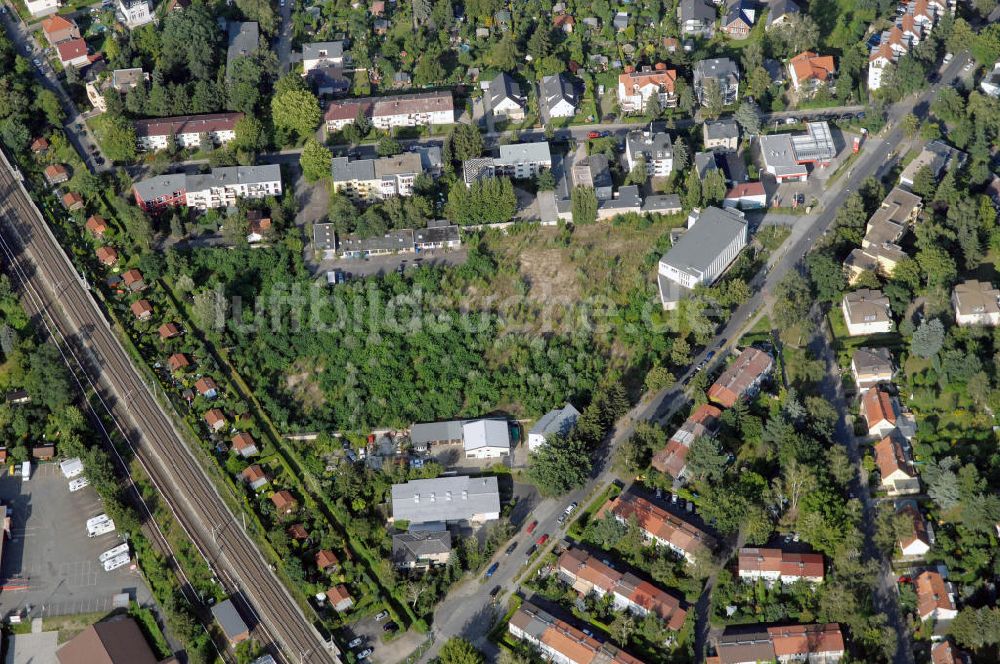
(390, 627)
(948, 58)
(531, 527)
(381, 615)
(542, 540)
(495, 591)
(531, 549)
(593, 134)
(355, 642)
(492, 570)
(364, 653)
(605, 134)
(510, 549)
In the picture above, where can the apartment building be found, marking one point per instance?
(672, 459)
(742, 378)
(187, 131)
(322, 54)
(976, 303)
(779, 566)
(654, 147)
(561, 643)
(369, 180)
(809, 71)
(120, 80)
(222, 187)
(414, 110)
(523, 160)
(867, 311)
(660, 526)
(726, 76)
(637, 87)
(587, 574)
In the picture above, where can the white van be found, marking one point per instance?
(25, 471)
(102, 529)
(78, 483)
(116, 562)
(113, 553)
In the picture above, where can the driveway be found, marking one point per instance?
(50, 564)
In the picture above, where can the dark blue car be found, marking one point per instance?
(492, 570)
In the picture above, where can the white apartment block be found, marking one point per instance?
(187, 130)
(368, 180)
(415, 110)
(523, 160)
(713, 240)
(223, 187)
(134, 13)
(42, 7)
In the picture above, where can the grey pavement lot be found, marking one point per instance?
(382, 265)
(49, 563)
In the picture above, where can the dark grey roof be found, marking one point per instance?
(325, 236)
(733, 166)
(436, 234)
(740, 9)
(430, 156)
(650, 143)
(662, 203)
(713, 231)
(871, 360)
(160, 185)
(345, 170)
(231, 175)
(557, 420)
(599, 170)
(401, 240)
(718, 68)
(456, 498)
(432, 432)
(229, 619)
(696, 10)
(704, 162)
(556, 88)
(244, 38)
(621, 20)
(779, 8)
(503, 87)
(328, 79)
(413, 546)
(627, 197)
(722, 129)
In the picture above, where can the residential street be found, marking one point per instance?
(464, 610)
(284, 46)
(886, 595)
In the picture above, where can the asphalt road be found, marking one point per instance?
(284, 46)
(53, 291)
(467, 610)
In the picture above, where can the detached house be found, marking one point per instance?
(206, 387)
(73, 201)
(881, 411)
(780, 12)
(96, 225)
(872, 366)
(738, 19)
(421, 549)
(340, 598)
(945, 652)
(723, 134)
(254, 476)
(177, 361)
(504, 98)
(867, 311)
(697, 18)
(918, 543)
(169, 331)
(776, 565)
(637, 87)
(56, 174)
(58, 29)
(587, 574)
(142, 309)
(284, 502)
(742, 378)
(892, 458)
(976, 303)
(558, 96)
(215, 420)
(327, 560)
(556, 422)
(660, 526)
(808, 71)
(245, 445)
(133, 280)
(935, 597)
(108, 256)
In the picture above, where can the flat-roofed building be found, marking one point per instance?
(369, 180)
(523, 160)
(713, 240)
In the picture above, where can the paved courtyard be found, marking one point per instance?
(49, 563)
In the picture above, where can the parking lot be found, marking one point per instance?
(49, 563)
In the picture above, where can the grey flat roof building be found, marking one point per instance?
(345, 170)
(324, 236)
(34, 648)
(231, 175)
(662, 204)
(436, 234)
(446, 499)
(401, 240)
(533, 153)
(557, 420)
(229, 619)
(699, 249)
(436, 432)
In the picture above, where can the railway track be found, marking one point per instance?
(54, 292)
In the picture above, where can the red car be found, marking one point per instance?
(594, 134)
(543, 539)
(532, 526)
(905, 579)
